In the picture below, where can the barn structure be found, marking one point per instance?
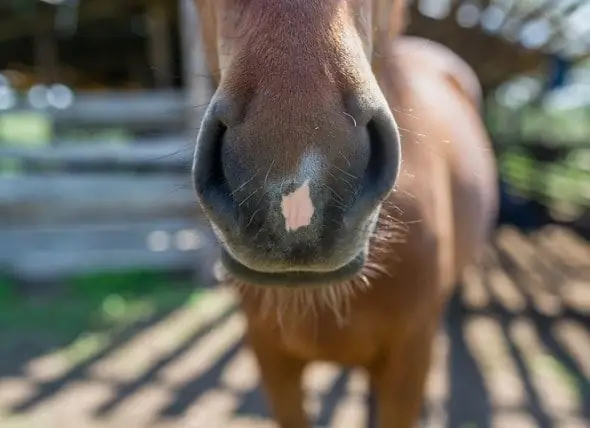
(137, 41)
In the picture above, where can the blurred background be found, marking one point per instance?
(108, 315)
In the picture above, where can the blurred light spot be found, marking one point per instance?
(435, 9)
(515, 97)
(519, 92)
(493, 18)
(114, 305)
(7, 98)
(38, 97)
(187, 240)
(535, 34)
(158, 240)
(468, 15)
(568, 98)
(578, 23)
(60, 96)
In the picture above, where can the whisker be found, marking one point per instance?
(346, 172)
(352, 117)
(334, 192)
(268, 172)
(252, 217)
(244, 184)
(343, 179)
(248, 197)
(345, 158)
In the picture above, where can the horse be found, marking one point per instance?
(349, 179)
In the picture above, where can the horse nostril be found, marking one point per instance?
(376, 173)
(209, 179)
(217, 177)
(383, 164)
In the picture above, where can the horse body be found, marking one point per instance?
(431, 226)
(446, 197)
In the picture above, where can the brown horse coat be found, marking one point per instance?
(431, 227)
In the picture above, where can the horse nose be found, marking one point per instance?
(304, 213)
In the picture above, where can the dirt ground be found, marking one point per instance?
(514, 352)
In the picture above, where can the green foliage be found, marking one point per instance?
(94, 303)
(566, 181)
(27, 128)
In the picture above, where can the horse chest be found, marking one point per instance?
(355, 341)
(342, 344)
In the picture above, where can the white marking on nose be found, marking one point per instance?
(297, 208)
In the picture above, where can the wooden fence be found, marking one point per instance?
(81, 206)
(143, 114)
(84, 207)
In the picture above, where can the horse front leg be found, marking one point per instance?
(281, 377)
(398, 383)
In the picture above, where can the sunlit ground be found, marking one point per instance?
(514, 352)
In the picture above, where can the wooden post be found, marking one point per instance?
(197, 78)
(199, 89)
(46, 52)
(157, 20)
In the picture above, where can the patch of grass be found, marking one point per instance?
(7, 289)
(93, 303)
(129, 283)
(88, 317)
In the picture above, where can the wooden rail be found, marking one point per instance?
(165, 108)
(50, 253)
(169, 153)
(57, 223)
(84, 207)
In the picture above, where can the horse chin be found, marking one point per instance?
(239, 273)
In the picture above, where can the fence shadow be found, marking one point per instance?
(530, 313)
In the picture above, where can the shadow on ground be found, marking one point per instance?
(517, 345)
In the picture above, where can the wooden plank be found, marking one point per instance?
(102, 236)
(159, 50)
(172, 152)
(47, 199)
(46, 51)
(149, 108)
(197, 77)
(161, 107)
(41, 254)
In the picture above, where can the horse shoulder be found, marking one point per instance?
(440, 58)
(447, 148)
